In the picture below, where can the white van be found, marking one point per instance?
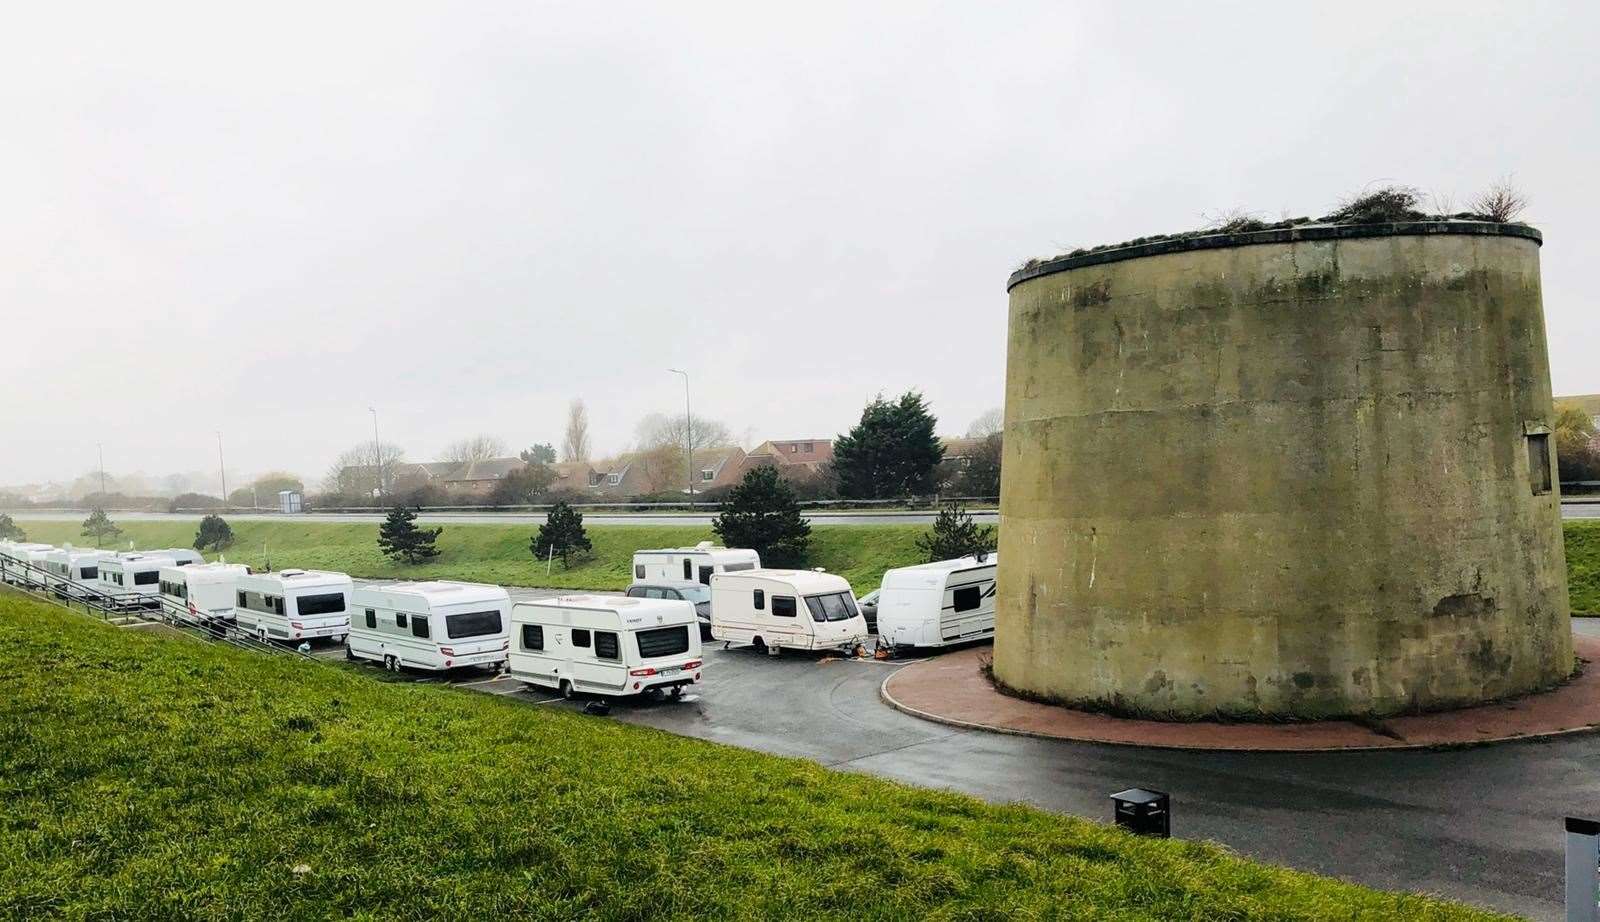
(786, 609)
(438, 624)
(696, 563)
(208, 590)
(293, 605)
(14, 558)
(933, 604)
(74, 571)
(133, 578)
(606, 645)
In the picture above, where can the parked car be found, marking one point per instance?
(869, 609)
(686, 590)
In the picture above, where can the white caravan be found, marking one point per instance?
(786, 609)
(438, 624)
(134, 577)
(182, 556)
(16, 555)
(208, 590)
(293, 604)
(31, 558)
(74, 571)
(933, 604)
(696, 563)
(605, 645)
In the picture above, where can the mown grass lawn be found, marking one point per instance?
(149, 776)
(496, 553)
(499, 553)
(1583, 566)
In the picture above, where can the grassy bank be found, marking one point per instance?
(498, 553)
(151, 776)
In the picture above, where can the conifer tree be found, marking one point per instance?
(561, 535)
(100, 527)
(761, 513)
(401, 539)
(954, 535)
(214, 534)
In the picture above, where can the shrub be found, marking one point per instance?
(400, 539)
(955, 534)
(214, 534)
(562, 535)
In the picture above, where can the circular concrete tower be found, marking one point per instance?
(1300, 472)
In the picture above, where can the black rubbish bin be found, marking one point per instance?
(1143, 813)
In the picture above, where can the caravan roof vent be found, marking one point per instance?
(292, 573)
(704, 546)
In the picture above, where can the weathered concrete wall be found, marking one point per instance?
(1281, 478)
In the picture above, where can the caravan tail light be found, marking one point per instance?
(297, 625)
(645, 671)
(692, 664)
(448, 651)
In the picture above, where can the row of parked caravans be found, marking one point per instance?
(609, 645)
(927, 605)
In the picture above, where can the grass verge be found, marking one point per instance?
(150, 776)
(497, 553)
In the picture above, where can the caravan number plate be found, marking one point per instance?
(668, 670)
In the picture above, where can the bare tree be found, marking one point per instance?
(988, 423)
(356, 473)
(661, 467)
(657, 430)
(1501, 202)
(477, 448)
(575, 447)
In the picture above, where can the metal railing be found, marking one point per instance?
(122, 607)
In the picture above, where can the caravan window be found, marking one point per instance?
(761, 600)
(834, 606)
(147, 578)
(89, 573)
(736, 567)
(399, 619)
(580, 637)
(967, 598)
(638, 571)
(372, 618)
(663, 641)
(328, 603)
(688, 569)
(419, 627)
(532, 637)
(472, 624)
(242, 602)
(605, 645)
(783, 606)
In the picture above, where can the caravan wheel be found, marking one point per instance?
(566, 689)
(391, 663)
(349, 654)
(759, 645)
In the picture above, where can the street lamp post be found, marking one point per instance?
(223, 471)
(101, 446)
(688, 434)
(377, 451)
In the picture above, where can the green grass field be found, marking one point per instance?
(151, 776)
(1583, 566)
(499, 553)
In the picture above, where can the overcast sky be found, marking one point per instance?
(266, 219)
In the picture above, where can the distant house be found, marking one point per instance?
(461, 478)
(641, 473)
(802, 457)
(573, 475)
(1590, 404)
(958, 452)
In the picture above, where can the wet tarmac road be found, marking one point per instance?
(1481, 825)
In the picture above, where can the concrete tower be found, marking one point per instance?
(1288, 472)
